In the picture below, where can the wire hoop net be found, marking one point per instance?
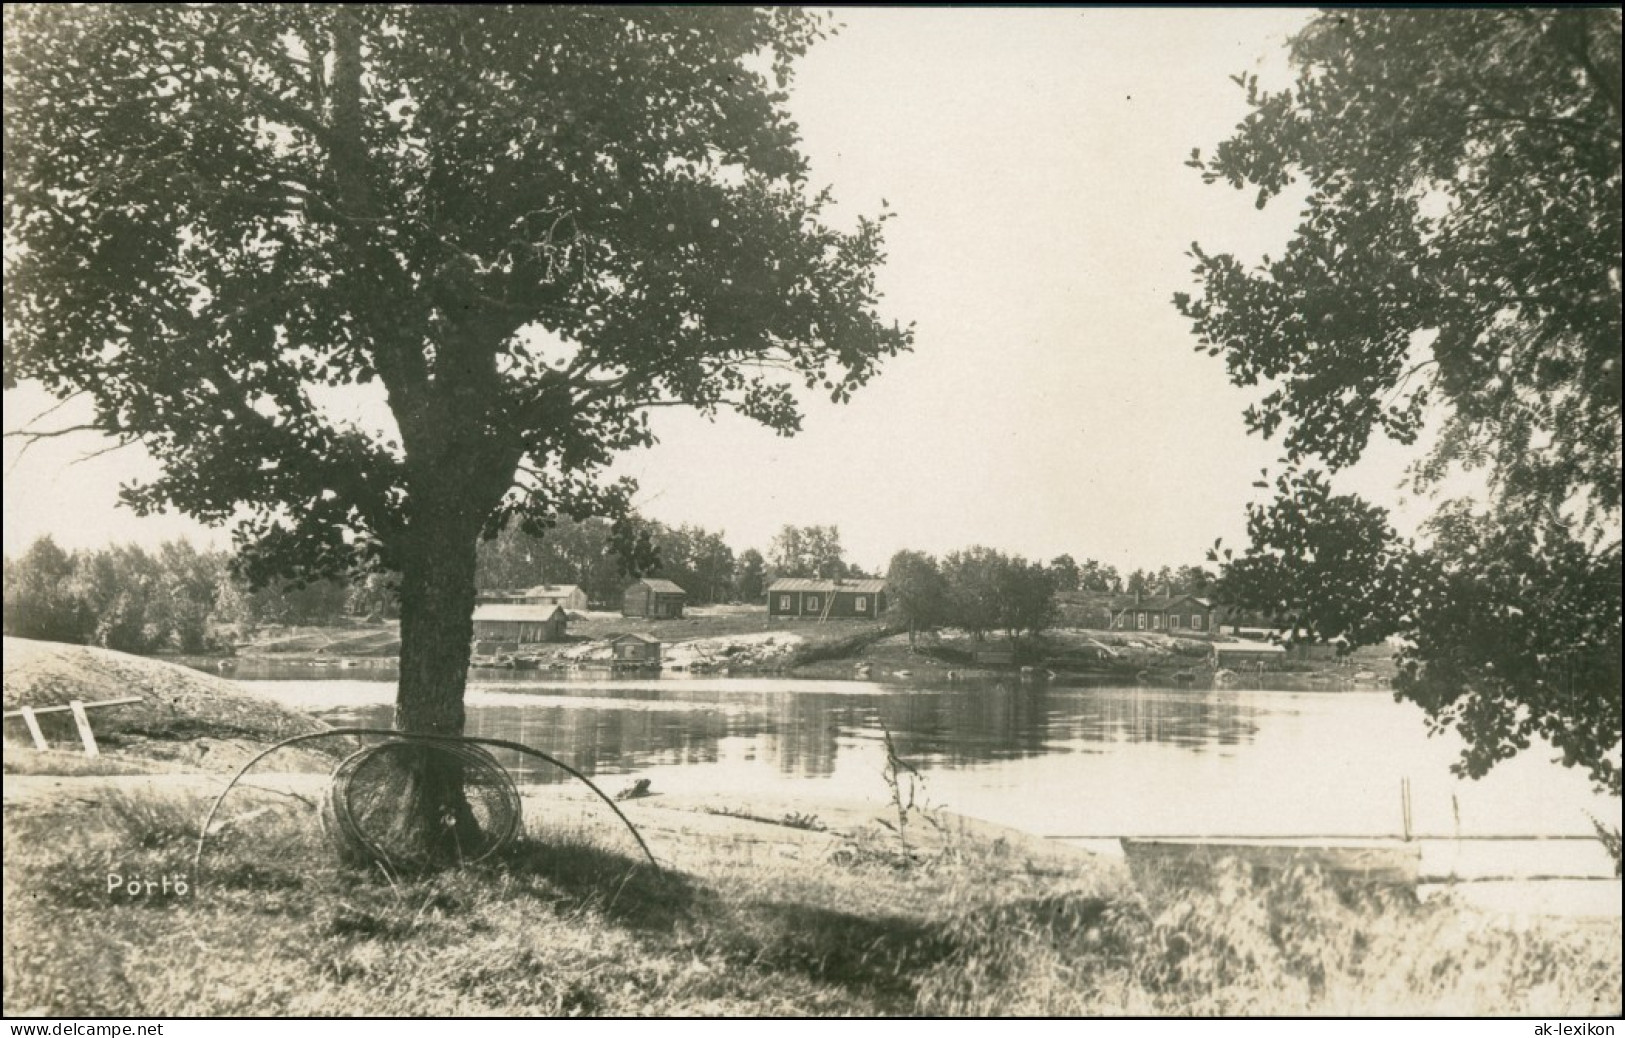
(411, 804)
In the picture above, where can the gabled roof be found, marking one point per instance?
(1259, 647)
(664, 587)
(549, 591)
(1156, 603)
(862, 586)
(513, 611)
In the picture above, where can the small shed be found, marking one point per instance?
(1248, 655)
(635, 648)
(655, 598)
(512, 624)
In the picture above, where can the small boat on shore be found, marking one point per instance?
(1370, 862)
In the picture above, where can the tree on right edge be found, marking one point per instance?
(1457, 262)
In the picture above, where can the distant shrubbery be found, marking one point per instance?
(173, 599)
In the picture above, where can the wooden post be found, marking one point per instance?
(1405, 805)
(81, 719)
(33, 729)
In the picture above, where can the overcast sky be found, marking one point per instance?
(1054, 401)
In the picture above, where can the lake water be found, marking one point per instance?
(1086, 764)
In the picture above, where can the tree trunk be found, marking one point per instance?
(437, 629)
(437, 607)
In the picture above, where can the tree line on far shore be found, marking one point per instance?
(983, 590)
(183, 599)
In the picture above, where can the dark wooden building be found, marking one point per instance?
(507, 624)
(635, 648)
(862, 599)
(655, 598)
(1167, 614)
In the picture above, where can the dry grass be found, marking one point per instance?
(570, 924)
(184, 719)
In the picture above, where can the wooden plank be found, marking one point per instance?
(33, 728)
(86, 736)
(64, 709)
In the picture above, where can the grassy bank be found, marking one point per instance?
(799, 914)
(183, 721)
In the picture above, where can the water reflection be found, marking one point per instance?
(606, 727)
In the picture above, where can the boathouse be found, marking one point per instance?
(863, 599)
(635, 648)
(514, 625)
(1248, 655)
(655, 598)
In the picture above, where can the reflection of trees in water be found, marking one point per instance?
(800, 732)
(805, 731)
(955, 727)
(1175, 718)
(595, 741)
(968, 726)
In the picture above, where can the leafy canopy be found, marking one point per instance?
(520, 227)
(1458, 261)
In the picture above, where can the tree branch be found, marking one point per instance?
(33, 436)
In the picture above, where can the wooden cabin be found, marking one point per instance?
(510, 625)
(655, 598)
(862, 599)
(636, 648)
(1165, 614)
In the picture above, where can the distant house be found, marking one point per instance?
(654, 598)
(508, 624)
(635, 648)
(827, 599)
(566, 596)
(1166, 614)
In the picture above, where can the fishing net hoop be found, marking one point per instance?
(393, 734)
(368, 807)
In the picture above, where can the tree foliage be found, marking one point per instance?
(809, 551)
(39, 594)
(1456, 273)
(751, 580)
(917, 592)
(173, 599)
(509, 230)
(988, 590)
(1094, 575)
(581, 553)
(1064, 570)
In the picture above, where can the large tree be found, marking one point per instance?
(518, 229)
(1455, 277)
